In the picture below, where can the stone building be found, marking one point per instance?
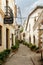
(33, 31)
(7, 37)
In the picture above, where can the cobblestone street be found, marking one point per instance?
(21, 32)
(24, 57)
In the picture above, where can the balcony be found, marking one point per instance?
(8, 17)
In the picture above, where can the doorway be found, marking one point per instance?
(34, 39)
(7, 38)
(12, 39)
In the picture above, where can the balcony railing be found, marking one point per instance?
(8, 18)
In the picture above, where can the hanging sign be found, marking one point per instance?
(8, 20)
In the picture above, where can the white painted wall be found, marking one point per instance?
(36, 36)
(4, 26)
(31, 22)
(3, 4)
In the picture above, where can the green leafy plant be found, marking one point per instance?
(4, 54)
(33, 47)
(21, 30)
(30, 45)
(16, 46)
(20, 41)
(36, 48)
(25, 43)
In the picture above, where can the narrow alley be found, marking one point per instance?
(21, 32)
(23, 57)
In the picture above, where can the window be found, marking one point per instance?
(29, 39)
(0, 35)
(34, 39)
(35, 19)
(12, 39)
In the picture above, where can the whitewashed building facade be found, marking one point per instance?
(33, 35)
(7, 37)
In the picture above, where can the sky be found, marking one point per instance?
(25, 5)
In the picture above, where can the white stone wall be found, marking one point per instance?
(31, 23)
(36, 36)
(3, 4)
(27, 37)
(24, 25)
(4, 26)
(11, 3)
(11, 31)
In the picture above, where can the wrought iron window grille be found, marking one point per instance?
(8, 18)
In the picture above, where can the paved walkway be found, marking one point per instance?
(23, 57)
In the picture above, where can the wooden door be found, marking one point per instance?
(7, 38)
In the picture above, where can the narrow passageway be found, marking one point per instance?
(22, 57)
(24, 51)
